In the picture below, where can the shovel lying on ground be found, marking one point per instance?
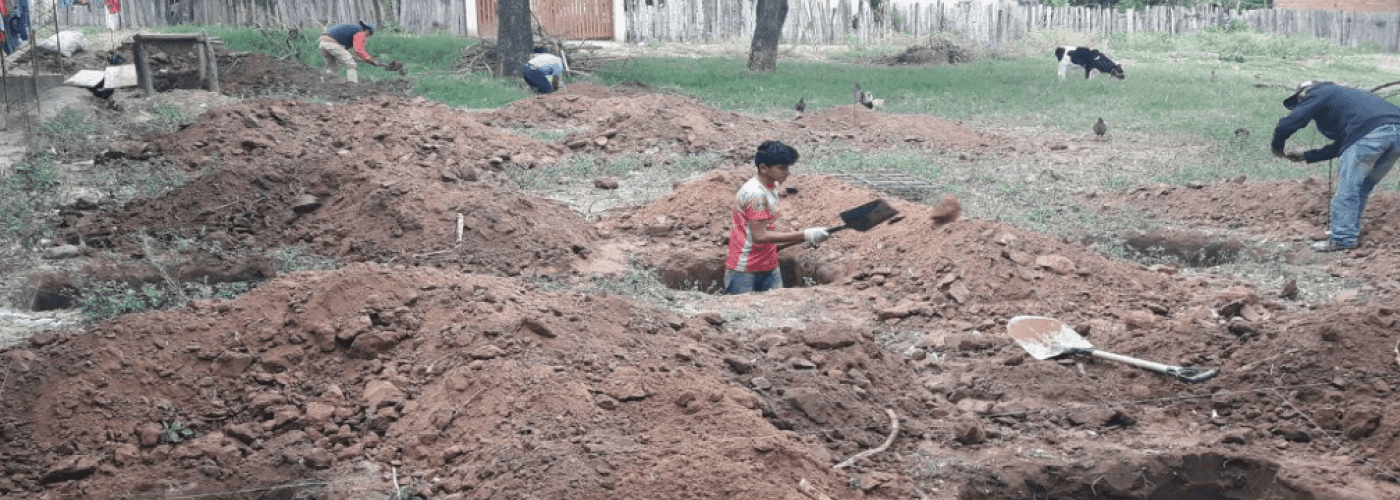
(860, 218)
(1046, 338)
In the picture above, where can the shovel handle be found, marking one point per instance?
(1189, 374)
(829, 230)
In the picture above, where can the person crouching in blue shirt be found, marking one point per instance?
(543, 71)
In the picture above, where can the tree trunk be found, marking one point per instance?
(379, 16)
(769, 18)
(514, 39)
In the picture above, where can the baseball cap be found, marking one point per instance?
(1300, 92)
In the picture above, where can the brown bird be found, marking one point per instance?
(1242, 133)
(1100, 127)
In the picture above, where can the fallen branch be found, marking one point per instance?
(894, 430)
(1378, 89)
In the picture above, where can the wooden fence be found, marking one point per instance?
(836, 21)
(809, 21)
(252, 13)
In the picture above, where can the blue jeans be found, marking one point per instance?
(536, 79)
(1363, 165)
(739, 282)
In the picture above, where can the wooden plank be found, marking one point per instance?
(120, 77)
(88, 78)
(212, 79)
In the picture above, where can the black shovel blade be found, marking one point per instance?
(866, 216)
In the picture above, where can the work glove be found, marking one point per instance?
(815, 235)
(1296, 156)
(1293, 156)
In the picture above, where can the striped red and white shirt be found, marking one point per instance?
(755, 202)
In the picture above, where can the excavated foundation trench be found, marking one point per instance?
(1182, 247)
(1208, 476)
(707, 275)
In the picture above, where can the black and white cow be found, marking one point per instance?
(1090, 59)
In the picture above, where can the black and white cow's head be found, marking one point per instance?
(1090, 59)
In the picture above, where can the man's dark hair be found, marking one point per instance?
(775, 153)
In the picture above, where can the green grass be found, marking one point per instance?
(1206, 85)
(1166, 96)
(1169, 86)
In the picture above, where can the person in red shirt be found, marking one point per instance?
(336, 44)
(752, 265)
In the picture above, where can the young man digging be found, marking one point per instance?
(752, 265)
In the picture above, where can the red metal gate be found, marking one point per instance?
(567, 19)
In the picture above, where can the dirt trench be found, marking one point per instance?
(472, 347)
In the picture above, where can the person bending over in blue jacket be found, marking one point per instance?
(1365, 130)
(543, 71)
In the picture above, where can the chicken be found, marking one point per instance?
(864, 98)
(101, 93)
(801, 105)
(1100, 128)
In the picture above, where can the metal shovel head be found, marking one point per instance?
(1045, 338)
(869, 215)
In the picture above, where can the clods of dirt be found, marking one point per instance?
(459, 354)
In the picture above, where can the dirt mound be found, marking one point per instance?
(950, 289)
(377, 179)
(431, 366)
(1291, 212)
(617, 121)
(938, 50)
(479, 386)
(255, 75)
(464, 384)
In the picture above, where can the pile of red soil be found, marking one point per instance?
(633, 121)
(433, 366)
(1294, 212)
(378, 179)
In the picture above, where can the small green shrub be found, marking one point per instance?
(174, 432)
(25, 215)
(108, 299)
(294, 258)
